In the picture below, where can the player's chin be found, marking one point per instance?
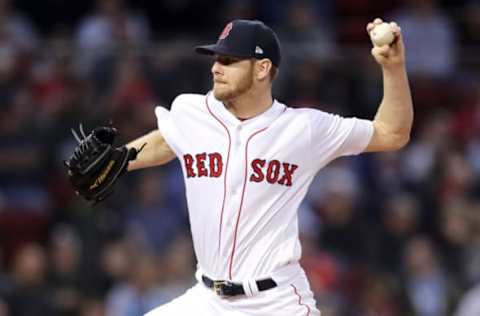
(221, 94)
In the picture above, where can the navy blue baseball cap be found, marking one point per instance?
(245, 39)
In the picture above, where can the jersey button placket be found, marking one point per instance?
(239, 156)
(238, 140)
(235, 185)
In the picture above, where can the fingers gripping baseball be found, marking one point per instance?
(388, 48)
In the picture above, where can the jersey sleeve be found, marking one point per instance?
(334, 136)
(168, 124)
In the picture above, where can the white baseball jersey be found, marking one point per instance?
(245, 179)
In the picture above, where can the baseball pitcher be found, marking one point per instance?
(247, 161)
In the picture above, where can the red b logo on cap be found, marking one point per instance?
(226, 31)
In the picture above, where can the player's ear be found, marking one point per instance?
(262, 69)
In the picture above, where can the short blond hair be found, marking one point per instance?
(273, 72)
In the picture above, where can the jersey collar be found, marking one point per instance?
(260, 121)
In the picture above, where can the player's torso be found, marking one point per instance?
(244, 181)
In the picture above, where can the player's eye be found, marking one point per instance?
(225, 60)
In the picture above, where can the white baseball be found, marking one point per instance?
(382, 34)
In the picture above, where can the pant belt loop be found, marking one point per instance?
(250, 287)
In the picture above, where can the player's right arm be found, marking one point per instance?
(155, 152)
(394, 118)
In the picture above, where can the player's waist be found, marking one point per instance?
(227, 288)
(251, 285)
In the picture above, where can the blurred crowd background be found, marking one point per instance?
(383, 234)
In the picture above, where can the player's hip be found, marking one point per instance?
(293, 299)
(291, 294)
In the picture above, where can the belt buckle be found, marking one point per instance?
(218, 287)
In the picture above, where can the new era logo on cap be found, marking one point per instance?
(258, 50)
(245, 39)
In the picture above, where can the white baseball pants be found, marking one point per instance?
(292, 297)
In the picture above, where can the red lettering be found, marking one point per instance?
(202, 171)
(216, 164)
(189, 165)
(273, 171)
(288, 172)
(257, 166)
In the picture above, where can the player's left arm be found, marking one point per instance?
(393, 120)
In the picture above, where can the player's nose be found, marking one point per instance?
(216, 68)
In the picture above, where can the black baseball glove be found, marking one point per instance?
(96, 164)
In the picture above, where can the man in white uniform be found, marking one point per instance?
(248, 160)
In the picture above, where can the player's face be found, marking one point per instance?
(232, 77)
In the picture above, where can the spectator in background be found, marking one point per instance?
(4, 308)
(153, 280)
(472, 257)
(245, 9)
(470, 303)
(304, 34)
(65, 276)
(471, 23)
(380, 296)
(31, 294)
(388, 176)
(92, 307)
(5, 288)
(17, 29)
(131, 88)
(111, 28)
(117, 260)
(470, 27)
(22, 155)
(430, 38)
(5, 280)
(57, 91)
(18, 41)
(174, 61)
(468, 119)
(176, 269)
(426, 282)
(400, 217)
(23, 170)
(456, 176)
(140, 293)
(351, 15)
(303, 80)
(420, 157)
(322, 268)
(151, 221)
(335, 198)
(275, 12)
(457, 226)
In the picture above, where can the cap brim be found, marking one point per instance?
(206, 49)
(219, 50)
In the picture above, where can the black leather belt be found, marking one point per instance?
(227, 288)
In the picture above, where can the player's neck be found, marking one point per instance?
(250, 104)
